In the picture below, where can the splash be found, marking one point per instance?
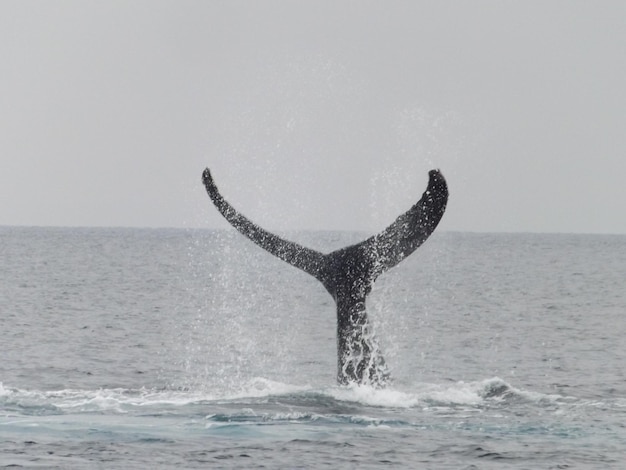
(362, 357)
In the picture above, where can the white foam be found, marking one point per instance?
(367, 395)
(429, 395)
(124, 400)
(458, 394)
(117, 400)
(262, 387)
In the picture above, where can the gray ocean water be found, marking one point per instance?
(133, 349)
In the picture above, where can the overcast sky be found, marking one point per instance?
(313, 114)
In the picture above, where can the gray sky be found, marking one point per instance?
(313, 114)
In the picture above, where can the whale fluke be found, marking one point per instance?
(348, 273)
(299, 256)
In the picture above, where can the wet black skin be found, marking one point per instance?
(348, 273)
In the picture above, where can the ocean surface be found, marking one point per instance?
(138, 348)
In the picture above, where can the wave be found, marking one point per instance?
(260, 391)
(264, 408)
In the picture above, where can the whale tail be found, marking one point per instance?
(348, 273)
(301, 257)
